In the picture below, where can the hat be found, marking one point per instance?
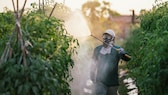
(110, 32)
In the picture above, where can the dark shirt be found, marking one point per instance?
(107, 66)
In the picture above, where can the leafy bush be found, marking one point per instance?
(148, 47)
(6, 27)
(48, 56)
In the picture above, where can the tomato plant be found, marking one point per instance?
(148, 46)
(48, 51)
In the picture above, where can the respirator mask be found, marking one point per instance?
(108, 39)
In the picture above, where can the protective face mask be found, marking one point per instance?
(107, 39)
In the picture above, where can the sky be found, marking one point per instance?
(121, 6)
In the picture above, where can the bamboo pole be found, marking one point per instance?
(13, 6)
(43, 5)
(19, 32)
(17, 4)
(23, 8)
(7, 52)
(39, 5)
(52, 10)
(7, 48)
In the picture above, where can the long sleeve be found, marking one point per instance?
(124, 56)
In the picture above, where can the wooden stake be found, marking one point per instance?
(52, 10)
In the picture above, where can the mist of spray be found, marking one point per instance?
(76, 25)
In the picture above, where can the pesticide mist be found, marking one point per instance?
(77, 26)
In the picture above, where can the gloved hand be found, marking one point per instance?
(121, 51)
(125, 56)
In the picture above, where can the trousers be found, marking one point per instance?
(101, 89)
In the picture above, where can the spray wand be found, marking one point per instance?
(128, 56)
(104, 42)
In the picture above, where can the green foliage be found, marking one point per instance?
(148, 47)
(6, 26)
(48, 56)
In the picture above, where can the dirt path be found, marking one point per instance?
(127, 84)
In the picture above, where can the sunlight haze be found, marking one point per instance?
(121, 6)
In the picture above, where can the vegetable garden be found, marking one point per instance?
(36, 53)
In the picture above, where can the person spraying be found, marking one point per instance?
(104, 69)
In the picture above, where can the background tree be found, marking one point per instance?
(97, 15)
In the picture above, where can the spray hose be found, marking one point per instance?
(128, 56)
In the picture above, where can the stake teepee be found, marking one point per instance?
(17, 30)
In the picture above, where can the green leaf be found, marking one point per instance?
(35, 90)
(20, 90)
